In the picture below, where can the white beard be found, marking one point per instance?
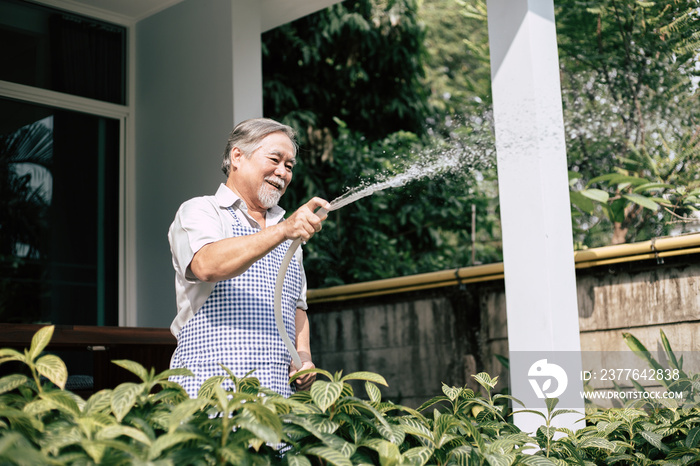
(268, 195)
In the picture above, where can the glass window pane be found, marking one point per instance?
(50, 49)
(59, 199)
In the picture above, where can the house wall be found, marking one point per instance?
(188, 96)
(198, 71)
(419, 340)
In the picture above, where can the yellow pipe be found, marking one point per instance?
(657, 248)
(436, 279)
(621, 250)
(341, 296)
(638, 257)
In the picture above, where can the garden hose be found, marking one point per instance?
(278, 296)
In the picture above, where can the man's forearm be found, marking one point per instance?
(230, 257)
(303, 344)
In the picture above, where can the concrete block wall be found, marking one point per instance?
(640, 298)
(419, 340)
(416, 342)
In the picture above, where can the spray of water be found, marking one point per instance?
(458, 158)
(431, 164)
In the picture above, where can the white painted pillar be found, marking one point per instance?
(246, 24)
(538, 251)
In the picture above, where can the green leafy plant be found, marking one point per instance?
(154, 422)
(677, 380)
(630, 106)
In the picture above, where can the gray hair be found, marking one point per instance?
(248, 134)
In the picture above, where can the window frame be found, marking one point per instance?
(126, 290)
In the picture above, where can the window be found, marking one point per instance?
(51, 49)
(60, 166)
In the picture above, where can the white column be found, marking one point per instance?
(538, 254)
(247, 60)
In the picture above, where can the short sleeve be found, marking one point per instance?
(197, 223)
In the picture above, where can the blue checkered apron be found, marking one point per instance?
(236, 325)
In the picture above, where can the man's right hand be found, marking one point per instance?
(304, 223)
(231, 257)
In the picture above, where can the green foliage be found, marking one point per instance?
(420, 227)
(367, 119)
(631, 114)
(684, 28)
(154, 422)
(365, 59)
(629, 89)
(647, 431)
(687, 384)
(457, 63)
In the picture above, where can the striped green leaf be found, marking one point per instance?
(330, 455)
(500, 459)
(166, 441)
(393, 433)
(183, 411)
(375, 395)
(114, 431)
(693, 437)
(39, 341)
(21, 420)
(532, 460)
(325, 393)
(208, 388)
(418, 456)
(654, 439)
(416, 428)
(53, 368)
(62, 401)
(95, 449)
(388, 452)
(345, 448)
(10, 382)
(134, 368)
(461, 455)
(597, 442)
(9, 354)
(451, 392)
(297, 460)
(364, 375)
(98, 402)
(124, 398)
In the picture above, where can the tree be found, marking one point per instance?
(630, 106)
(457, 62)
(360, 61)
(631, 115)
(363, 116)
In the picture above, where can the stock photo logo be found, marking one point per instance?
(542, 375)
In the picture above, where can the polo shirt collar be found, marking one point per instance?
(227, 198)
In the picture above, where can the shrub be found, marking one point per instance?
(155, 423)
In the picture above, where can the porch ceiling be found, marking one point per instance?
(274, 12)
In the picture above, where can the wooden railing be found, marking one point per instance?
(96, 347)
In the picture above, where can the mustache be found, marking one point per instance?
(276, 181)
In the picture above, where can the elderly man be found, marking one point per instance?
(227, 250)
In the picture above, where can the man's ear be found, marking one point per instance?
(235, 155)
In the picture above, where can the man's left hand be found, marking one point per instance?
(304, 382)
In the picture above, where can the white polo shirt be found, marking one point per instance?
(201, 221)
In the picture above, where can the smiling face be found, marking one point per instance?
(261, 177)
